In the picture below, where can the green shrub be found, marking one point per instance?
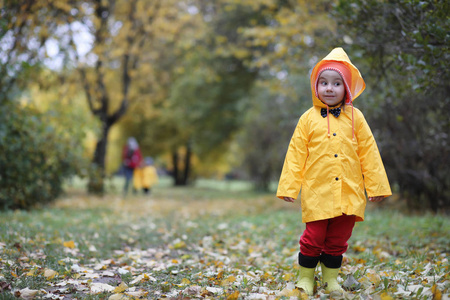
(35, 157)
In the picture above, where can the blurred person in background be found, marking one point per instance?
(131, 159)
(145, 176)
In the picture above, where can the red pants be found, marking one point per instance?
(328, 236)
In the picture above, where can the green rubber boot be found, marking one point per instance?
(329, 276)
(306, 280)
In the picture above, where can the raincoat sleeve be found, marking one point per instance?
(292, 174)
(375, 178)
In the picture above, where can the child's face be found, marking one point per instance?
(331, 87)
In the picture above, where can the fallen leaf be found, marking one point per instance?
(108, 274)
(287, 292)
(4, 286)
(137, 294)
(62, 283)
(97, 288)
(214, 290)
(123, 271)
(121, 287)
(69, 244)
(233, 296)
(180, 245)
(228, 280)
(26, 293)
(193, 290)
(256, 296)
(288, 276)
(351, 284)
(91, 275)
(359, 248)
(143, 277)
(50, 274)
(385, 296)
(373, 277)
(437, 294)
(118, 297)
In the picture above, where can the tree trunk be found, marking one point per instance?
(175, 168)
(97, 174)
(181, 177)
(187, 164)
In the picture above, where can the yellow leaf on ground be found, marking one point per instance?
(143, 277)
(137, 294)
(220, 275)
(385, 296)
(287, 292)
(179, 245)
(121, 287)
(69, 244)
(118, 297)
(359, 249)
(437, 294)
(374, 278)
(49, 273)
(288, 276)
(229, 280)
(233, 296)
(185, 281)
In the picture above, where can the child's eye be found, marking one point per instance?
(337, 83)
(323, 83)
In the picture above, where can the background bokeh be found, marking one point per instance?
(212, 89)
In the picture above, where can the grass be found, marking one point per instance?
(217, 240)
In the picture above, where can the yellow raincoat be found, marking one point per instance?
(333, 171)
(145, 177)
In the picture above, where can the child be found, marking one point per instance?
(145, 176)
(332, 159)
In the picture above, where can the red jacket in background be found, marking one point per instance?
(131, 158)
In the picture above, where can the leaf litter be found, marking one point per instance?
(178, 248)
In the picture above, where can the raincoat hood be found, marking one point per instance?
(338, 60)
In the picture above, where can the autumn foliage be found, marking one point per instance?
(38, 157)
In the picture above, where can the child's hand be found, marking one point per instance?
(376, 199)
(289, 199)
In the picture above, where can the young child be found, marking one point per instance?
(145, 176)
(332, 158)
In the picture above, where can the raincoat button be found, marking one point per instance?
(335, 155)
(337, 178)
(334, 134)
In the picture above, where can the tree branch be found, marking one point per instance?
(144, 36)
